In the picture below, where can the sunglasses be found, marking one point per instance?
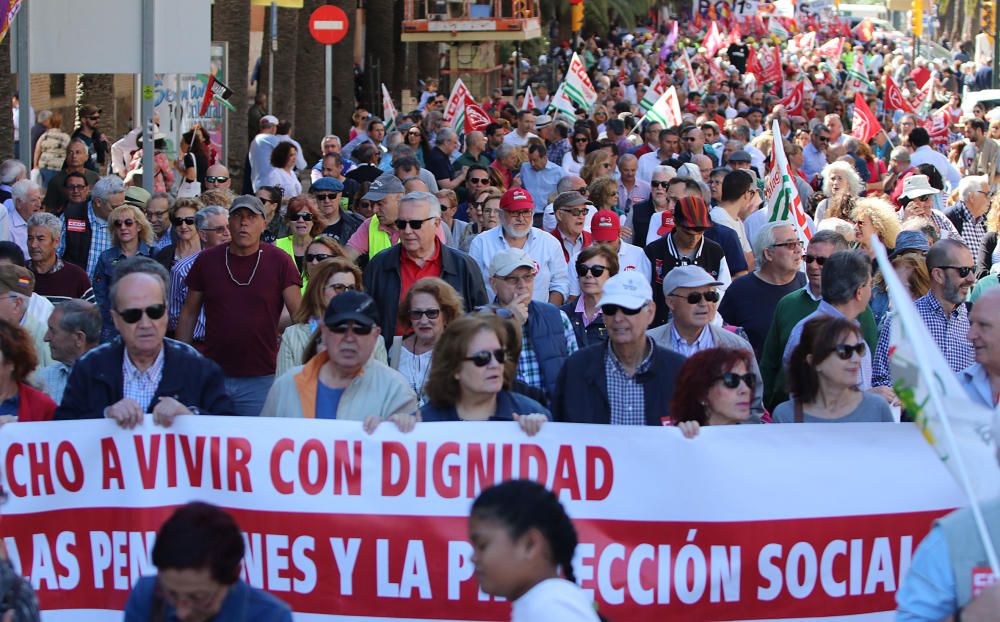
(792, 244)
(317, 257)
(413, 133)
(356, 329)
(216, 179)
(413, 224)
(75, 187)
(845, 352)
(327, 196)
(612, 310)
(479, 180)
(695, 297)
(963, 271)
(596, 271)
(659, 184)
(814, 258)
(732, 380)
(823, 139)
(580, 211)
(177, 221)
(128, 222)
(306, 216)
(430, 314)
(153, 312)
(581, 140)
(482, 358)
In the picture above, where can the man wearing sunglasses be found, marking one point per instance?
(217, 176)
(693, 298)
(87, 233)
(142, 371)
(571, 209)
(88, 132)
(630, 379)
(814, 154)
(340, 224)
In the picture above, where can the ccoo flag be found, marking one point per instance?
(388, 110)
(782, 198)
(666, 111)
(653, 93)
(864, 125)
(529, 99)
(454, 110)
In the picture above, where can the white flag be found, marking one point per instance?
(692, 77)
(666, 111)
(388, 110)
(561, 102)
(653, 93)
(782, 198)
(529, 99)
(454, 110)
(577, 85)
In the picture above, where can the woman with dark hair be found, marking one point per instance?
(271, 197)
(822, 377)
(594, 266)
(300, 216)
(572, 162)
(199, 558)
(194, 161)
(469, 380)
(18, 400)
(414, 138)
(283, 160)
(715, 387)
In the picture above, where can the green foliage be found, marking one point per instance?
(599, 15)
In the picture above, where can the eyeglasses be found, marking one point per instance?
(413, 133)
(216, 179)
(430, 314)
(482, 358)
(128, 222)
(612, 310)
(792, 244)
(156, 214)
(963, 271)
(659, 184)
(177, 221)
(340, 288)
(582, 270)
(215, 230)
(75, 187)
(327, 196)
(823, 139)
(814, 258)
(731, 380)
(695, 297)
(845, 352)
(317, 257)
(523, 214)
(413, 224)
(514, 280)
(131, 316)
(581, 139)
(479, 180)
(356, 329)
(306, 216)
(579, 211)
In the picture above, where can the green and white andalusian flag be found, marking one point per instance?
(782, 198)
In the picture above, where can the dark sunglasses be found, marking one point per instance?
(414, 224)
(579, 211)
(823, 139)
(355, 329)
(340, 288)
(216, 179)
(317, 257)
(153, 312)
(659, 184)
(482, 358)
(731, 380)
(582, 270)
(306, 216)
(326, 196)
(814, 258)
(695, 297)
(582, 139)
(845, 352)
(177, 221)
(612, 310)
(479, 180)
(128, 222)
(963, 271)
(430, 314)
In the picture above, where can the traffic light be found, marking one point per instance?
(576, 16)
(988, 19)
(917, 17)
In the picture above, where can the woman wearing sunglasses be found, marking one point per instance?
(572, 162)
(823, 377)
(594, 266)
(185, 233)
(468, 380)
(425, 311)
(715, 387)
(300, 218)
(131, 234)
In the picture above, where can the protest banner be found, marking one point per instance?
(684, 64)
(653, 93)
(713, 40)
(780, 194)
(454, 110)
(528, 103)
(744, 522)
(666, 111)
(794, 99)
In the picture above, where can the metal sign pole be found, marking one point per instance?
(24, 120)
(270, 64)
(329, 91)
(148, 81)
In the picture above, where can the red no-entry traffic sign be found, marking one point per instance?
(328, 24)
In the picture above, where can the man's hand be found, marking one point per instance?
(519, 307)
(166, 409)
(126, 413)
(887, 394)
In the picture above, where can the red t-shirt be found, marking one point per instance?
(241, 322)
(410, 273)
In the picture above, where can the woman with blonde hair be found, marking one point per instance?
(603, 193)
(597, 164)
(842, 186)
(875, 216)
(131, 234)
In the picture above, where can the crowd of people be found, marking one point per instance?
(591, 268)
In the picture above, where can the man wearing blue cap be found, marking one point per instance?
(337, 223)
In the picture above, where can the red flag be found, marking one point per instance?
(713, 40)
(793, 102)
(208, 96)
(865, 31)
(864, 124)
(476, 119)
(894, 99)
(753, 64)
(937, 127)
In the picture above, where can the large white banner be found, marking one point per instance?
(749, 522)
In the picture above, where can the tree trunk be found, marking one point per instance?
(381, 42)
(428, 61)
(231, 22)
(7, 88)
(98, 89)
(285, 60)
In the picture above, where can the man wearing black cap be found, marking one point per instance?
(243, 285)
(338, 224)
(344, 381)
(97, 144)
(378, 232)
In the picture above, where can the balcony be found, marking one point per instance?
(471, 20)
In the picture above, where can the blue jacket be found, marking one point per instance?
(103, 273)
(545, 333)
(507, 404)
(96, 382)
(242, 604)
(582, 392)
(594, 333)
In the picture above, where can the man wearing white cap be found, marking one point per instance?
(260, 150)
(692, 296)
(629, 380)
(918, 196)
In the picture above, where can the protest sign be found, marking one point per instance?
(743, 522)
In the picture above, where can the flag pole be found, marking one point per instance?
(888, 138)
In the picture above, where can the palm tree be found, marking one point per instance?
(7, 89)
(98, 89)
(231, 23)
(285, 60)
(601, 15)
(382, 40)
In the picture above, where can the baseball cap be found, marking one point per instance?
(87, 110)
(508, 260)
(909, 242)
(516, 200)
(250, 202)
(627, 289)
(17, 279)
(691, 212)
(351, 306)
(137, 196)
(605, 226)
(270, 119)
(740, 156)
(570, 198)
(327, 184)
(383, 186)
(687, 276)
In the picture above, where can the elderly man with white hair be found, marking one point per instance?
(969, 214)
(27, 199)
(55, 279)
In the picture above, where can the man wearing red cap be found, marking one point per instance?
(516, 231)
(685, 245)
(605, 227)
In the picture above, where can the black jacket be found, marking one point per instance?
(642, 214)
(96, 382)
(582, 389)
(383, 281)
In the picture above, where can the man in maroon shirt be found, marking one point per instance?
(243, 285)
(54, 279)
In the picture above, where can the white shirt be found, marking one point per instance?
(541, 246)
(629, 258)
(551, 600)
(260, 158)
(290, 184)
(926, 155)
(18, 233)
(514, 139)
(569, 165)
(724, 218)
(121, 151)
(647, 164)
